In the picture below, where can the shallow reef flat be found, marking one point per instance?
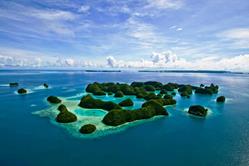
(102, 108)
(86, 116)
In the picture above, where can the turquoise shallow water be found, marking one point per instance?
(220, 139)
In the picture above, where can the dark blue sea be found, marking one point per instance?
(220, 139)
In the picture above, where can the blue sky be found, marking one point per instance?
(165, 34)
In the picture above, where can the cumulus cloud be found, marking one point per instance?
(111, 61)
(168, 60)
(163, 57)
(10, 57)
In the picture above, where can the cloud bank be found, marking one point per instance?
(158, 60)
(168, 60)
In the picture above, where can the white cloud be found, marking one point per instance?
(179, 29)
(36, 21)
(51, 15)
(168, 60)
(111, 61)
(238, 37)
(11, 57)
(144, 34)
(163, 57)
(237, 33)
(176, 28)
(166, 4)
(84, 9)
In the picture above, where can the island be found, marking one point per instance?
(207, 90)
(13, 84)
(126, 103)
(65, 116)
(89, 102)
(53, 99)
(112, 105)
(221, 99)
(197, 110)
(22, 91)
(87, 129)
(45, 85)
(149, 109)
(119, 94)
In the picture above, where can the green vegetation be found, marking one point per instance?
(149, 88)
(62, 108)
(185, 90)
(151, 96)
(53, 99)
(22, 91)
(119, 94)
(166, 96)
(207, 90)
(153, 105)
(126, 103)
(95, 89)
(45, 85)
(13, 84)
(197, 110)
(118, 117)
(89, 102)
(155, 84)
(65, 116)
(163, 91)
(87, 129)
(170, 86)
(221, 99)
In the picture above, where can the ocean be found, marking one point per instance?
(220, 139)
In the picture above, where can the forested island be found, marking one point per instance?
(155, 95)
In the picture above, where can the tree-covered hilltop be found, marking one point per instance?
(65, 116)
(146, 90)
(185, 90)
(221, 99)
(197, 110)
(87, 129)
(53, 99)
(13, 84)
(45, 85)
(126, 103)
(148, 110)
(22, 91)
(156, 96)
(89, 102)
(207, 90)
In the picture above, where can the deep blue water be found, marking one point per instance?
(220, 139)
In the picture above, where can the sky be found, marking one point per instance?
(154, 34)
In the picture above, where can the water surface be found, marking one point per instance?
(220, 139)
